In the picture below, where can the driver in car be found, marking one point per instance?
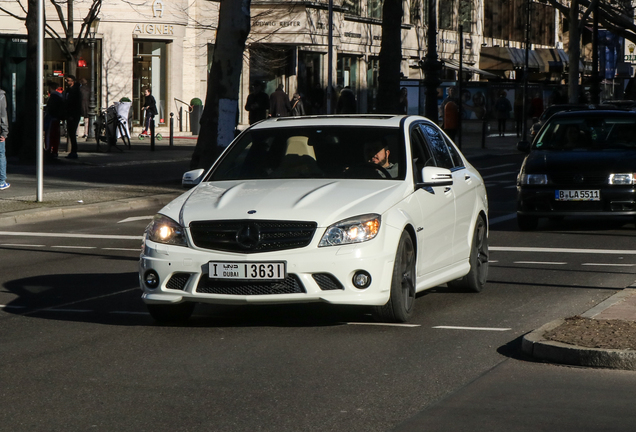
(378, 153)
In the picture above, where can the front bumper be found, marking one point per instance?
(183, 274)
(540, 201)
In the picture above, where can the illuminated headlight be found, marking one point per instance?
(534, 179)
(162, 229)
(621, 179)
(354, 230)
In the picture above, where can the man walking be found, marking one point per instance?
(257, 103)
(73, 98)
(279, 105)
(4, 131)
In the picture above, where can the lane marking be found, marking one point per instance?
(562, 250)
(74, 247)
(383, 324)
(498, 166)
(11, 307)
(70, 310)
(502, 219)
(511, 187)
(136, 218)
(472, 328)
(499, 175)
(607, 265)
(123, 249)
(129, 313)
(19, 245)
(539, 262)
(68, 235)
(58, 307)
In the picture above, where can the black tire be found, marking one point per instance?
(527, 223)
(476, 278)
(400, 306)
(171, 314)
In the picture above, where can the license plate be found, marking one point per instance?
(577, 195)
(247, 271)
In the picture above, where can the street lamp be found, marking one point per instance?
(92, 103)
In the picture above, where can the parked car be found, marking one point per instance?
(355, 210)
(582, 163)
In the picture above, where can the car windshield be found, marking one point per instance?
(600, 132)
(314, 152)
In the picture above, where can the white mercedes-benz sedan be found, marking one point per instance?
(356, 210)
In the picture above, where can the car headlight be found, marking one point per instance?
(162, 229)
(534, 179)
(622, 179)
(353, 230)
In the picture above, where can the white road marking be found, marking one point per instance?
(607, 265)
(11, 307)
(123, 249)
(75, 247)
(136, 218)
(540, 262)
(472, 328)
(510, 187)
(68, 235)
(497, 166)
(383, 324)
(501, 219)
(129, 313)
(562, 250)
(19, 245)
(70, 310)
(499, 175)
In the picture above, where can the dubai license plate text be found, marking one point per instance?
(247, 271)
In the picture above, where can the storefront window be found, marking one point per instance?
(347, 71)
(149, 71)
(352, 6)
(375, 8)
(372, 83)
(310, 80)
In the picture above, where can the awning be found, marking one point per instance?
(506, 58)
(555, 60)
(454, 64)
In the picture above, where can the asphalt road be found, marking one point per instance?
(78, 351)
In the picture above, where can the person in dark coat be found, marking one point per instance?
(53, 113)
(347, 102)
(150, 107)
(257, 103)
(73, 98)
(279, 105)
(297, 107)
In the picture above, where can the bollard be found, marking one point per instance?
(152, 134)
(484, 128)
(181, 119)
(171, 129)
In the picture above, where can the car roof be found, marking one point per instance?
(594, 113)
(352, 120)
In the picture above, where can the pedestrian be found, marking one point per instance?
(4, 131)
(502, 111)
(404, 101)
(279, 105)
(73, 100)
(451, 118)
(150, 108)
(257, 103)
(317, 98)
(347, 102)
(53, 114)
(297, 109)
(85, 93)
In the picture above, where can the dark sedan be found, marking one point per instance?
(581, 163)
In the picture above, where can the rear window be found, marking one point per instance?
(588, 133)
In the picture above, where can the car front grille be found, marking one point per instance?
(327, 282)
(178, 281)
(291, 285)
(579, 180)
(251, 236)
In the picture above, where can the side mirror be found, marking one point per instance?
(523, 146)
(436, 176)
(192, 178)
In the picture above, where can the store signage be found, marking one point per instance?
(277, 24)
(154, 29)
(157, 9)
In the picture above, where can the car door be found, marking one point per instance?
(464, 185)
(435, 229)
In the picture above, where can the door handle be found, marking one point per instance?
(447, 189)
(466, 177)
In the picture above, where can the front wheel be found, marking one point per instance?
(476, 278)
(400, 306)
(171, 313)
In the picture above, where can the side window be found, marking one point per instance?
(421, 155)
(438, 146)
(457, 159)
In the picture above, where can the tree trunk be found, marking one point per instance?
(574, 52)
(219, 117)
(25, 127)
(390, 57)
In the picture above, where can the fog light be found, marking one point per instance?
(151, 279)
(361, 279)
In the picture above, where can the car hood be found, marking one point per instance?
(607, 161)
(321, 201)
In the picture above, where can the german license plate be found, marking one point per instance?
(247, 271)
(577, 195)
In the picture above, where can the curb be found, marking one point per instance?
(535, 345)
(47, 214)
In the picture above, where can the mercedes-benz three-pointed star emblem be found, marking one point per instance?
(249, 236)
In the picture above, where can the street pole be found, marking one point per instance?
(431, 65)
(39, 121)
(524, 111)
(595, 89)
(330, 57)
(92, 103)
(460, 85)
